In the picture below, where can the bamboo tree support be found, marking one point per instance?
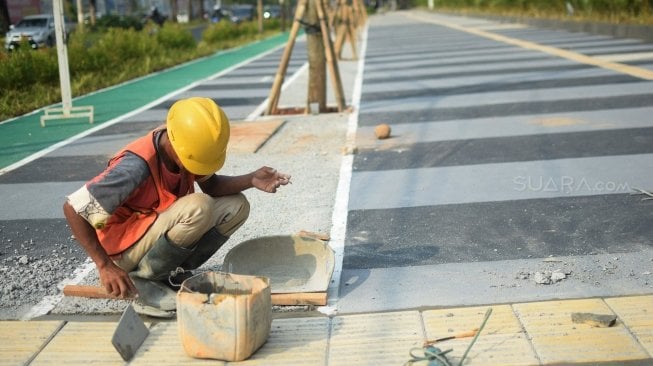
(331, 58)
(275, 92)
(346, 31)
(273, 99)
(362, 12)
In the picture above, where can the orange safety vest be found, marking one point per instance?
(130, 222)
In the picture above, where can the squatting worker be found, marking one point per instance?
(140, 219)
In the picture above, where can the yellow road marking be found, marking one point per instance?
(637, 72)
(636, 56)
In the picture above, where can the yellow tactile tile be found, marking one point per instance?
(81, 343)
(20, 341)
(291, 342)
(636, 312)
(502, 341)
(296, 341)
(374, 339)
(557, 339)
(162, 347)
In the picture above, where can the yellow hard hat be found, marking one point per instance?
(199, 132)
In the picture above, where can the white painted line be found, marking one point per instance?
(111, 122)
(261, 108)
(341, 206)
(49, 302)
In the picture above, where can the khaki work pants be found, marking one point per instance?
(186, 220)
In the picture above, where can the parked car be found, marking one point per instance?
(272, 12)
(38, 30)
(242, 13)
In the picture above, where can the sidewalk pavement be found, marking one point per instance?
(516, 334)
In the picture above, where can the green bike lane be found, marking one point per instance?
(23, 136)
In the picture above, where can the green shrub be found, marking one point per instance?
(24, 67)
(117, 21)
(98, 59)
(217, 32)
(172, 35)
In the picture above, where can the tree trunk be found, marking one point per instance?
(173, 10)
(5, 20)
(92, 9)
(316, 60)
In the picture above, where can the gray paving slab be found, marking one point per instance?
(437, 86)
(500, 182)
(35, 200)
(486, 99)
(468, 284)
(533, 124)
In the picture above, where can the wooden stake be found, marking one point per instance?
(331, 58)
(293, 298)
(273, 99)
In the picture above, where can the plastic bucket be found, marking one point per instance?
(224, 316)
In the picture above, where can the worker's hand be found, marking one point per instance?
(268, 179)
(117, 282)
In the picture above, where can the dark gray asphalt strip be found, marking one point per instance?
(234, 86)
(223, 102)
(508, 149)
(435, 62)
(463, 73)
(57, 169)
(131, 127)
(494, 231)
(506, 109)
(551, 82)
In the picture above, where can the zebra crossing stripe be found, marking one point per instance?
(570, 55)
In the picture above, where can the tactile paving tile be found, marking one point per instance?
(295, 341)
(20, 341)
(501, 342)
(163, 347)
(637, 314)
(81, 343)
(374, 339)
(557, 339)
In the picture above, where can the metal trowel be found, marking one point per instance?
(130, 333)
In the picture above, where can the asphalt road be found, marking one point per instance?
(512, 153)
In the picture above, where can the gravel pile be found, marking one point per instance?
(27, 279)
